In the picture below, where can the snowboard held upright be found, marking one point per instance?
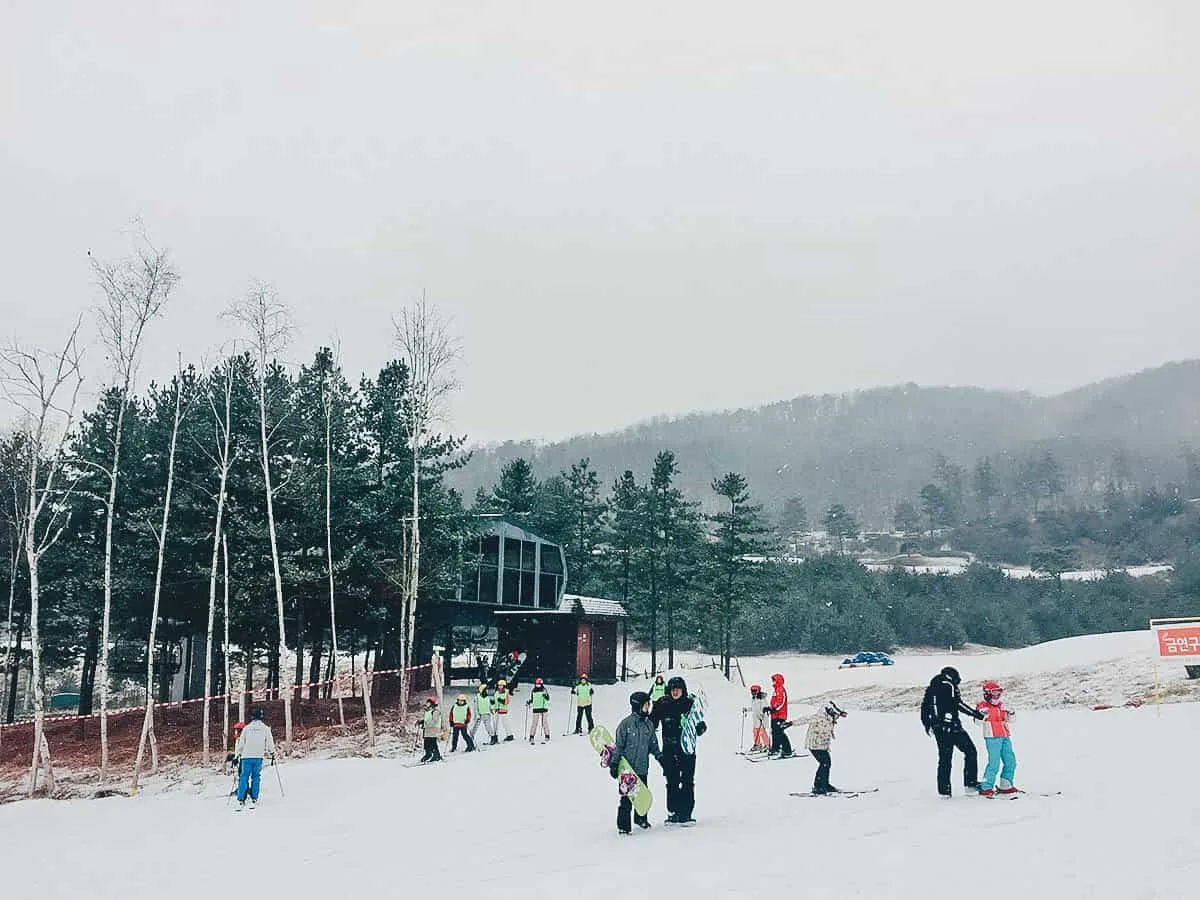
(628, 783)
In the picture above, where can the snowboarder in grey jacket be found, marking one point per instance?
(635, 742)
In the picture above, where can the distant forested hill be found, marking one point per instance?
(871, 449)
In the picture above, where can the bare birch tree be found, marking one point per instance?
(327, 403)
(179, 412)
(430, 352)
(225, 653)
(135, 291)
(46, 388)
(222, 417)
(269, 326)
(16, 530)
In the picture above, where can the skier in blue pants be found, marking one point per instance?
(255, 744)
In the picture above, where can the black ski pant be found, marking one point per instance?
(680, 771)
(824, 764)
(580, 712)
(432, 754)
(947, 740)
(779, 738)
(625, 813)
(461, 729)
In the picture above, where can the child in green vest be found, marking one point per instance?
(483, 713)
(658, 690)
(583, 704)
(500, 703)
(539, 702)
(460, 718)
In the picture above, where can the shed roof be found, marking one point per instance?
(572, 605)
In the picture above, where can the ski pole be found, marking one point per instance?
(526, 732)
(742, 733)
(570, 712)
(279, 778)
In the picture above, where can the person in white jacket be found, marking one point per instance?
(256, 744)
(820, 733)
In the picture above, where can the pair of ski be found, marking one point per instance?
(1019, 793)
(847, 794)
(763, 757)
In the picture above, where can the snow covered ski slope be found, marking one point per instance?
(1124, 827)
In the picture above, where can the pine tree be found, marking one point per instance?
(587, 517)
(739, 530)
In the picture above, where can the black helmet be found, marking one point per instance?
(952, 673)
(637, 700)
(834, 711)
(677, 682)
(259, 715)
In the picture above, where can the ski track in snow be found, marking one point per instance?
(539, 822)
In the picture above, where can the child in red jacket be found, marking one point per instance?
(998, 738)
(780, 745)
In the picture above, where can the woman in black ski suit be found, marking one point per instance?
(678, 766)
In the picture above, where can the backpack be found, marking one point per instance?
(929, 715)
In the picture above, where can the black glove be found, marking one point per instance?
(701, 728)
(979, 716)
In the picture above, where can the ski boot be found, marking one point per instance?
(495, 740)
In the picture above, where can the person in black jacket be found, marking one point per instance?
(940, 716)
(679, 767)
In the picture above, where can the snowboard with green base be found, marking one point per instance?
(628, 783)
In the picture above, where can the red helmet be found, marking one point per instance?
(537, 682)
(432, 701)
(756, 688)
(238, 726)
(991, 690)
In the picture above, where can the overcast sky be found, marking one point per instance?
(627, 208)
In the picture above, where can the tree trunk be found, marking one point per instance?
(148, 722)
(228, 689)
(314, 665)
(14, 561)
(301, 636)
(15, 662)
(329, 554)
(266, 464)
(110, 514)
(87, 672)
(41, 748)
(247, 685)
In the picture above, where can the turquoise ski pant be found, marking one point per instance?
(999, 751)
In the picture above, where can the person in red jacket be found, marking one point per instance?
(780, 745)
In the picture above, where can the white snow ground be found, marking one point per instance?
(538, 822)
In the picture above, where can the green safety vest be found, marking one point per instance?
(483, 704)
(459, 713)
(657, 692)
(541, 701)
(500, 701)
(583, 693)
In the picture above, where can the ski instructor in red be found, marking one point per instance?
(780, 745)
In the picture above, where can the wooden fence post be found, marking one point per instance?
(366, 689)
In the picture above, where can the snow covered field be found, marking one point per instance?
(538, 822)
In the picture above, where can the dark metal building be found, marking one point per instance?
(512, 595)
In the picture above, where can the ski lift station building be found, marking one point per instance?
(512, 595)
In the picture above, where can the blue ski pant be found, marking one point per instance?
(251, 777)
(1000, 752)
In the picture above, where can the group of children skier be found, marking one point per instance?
(490, 708)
